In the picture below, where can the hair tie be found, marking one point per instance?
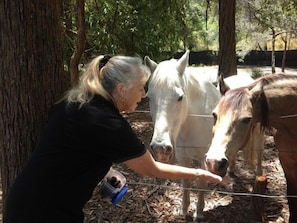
(104, 61)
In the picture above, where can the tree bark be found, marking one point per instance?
(31, 78)
(227, 45)
(81, 42)
(273, 50)
(285, 39)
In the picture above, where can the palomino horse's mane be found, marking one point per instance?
(268, 81)
(235, 99)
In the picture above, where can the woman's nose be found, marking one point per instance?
(143, 94)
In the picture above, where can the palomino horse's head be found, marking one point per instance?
(230, 132)
(168, 104)
(236, 115)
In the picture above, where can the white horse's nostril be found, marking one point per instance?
(168, 149)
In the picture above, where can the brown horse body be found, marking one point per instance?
(270, 101)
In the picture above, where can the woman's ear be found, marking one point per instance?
(121, 89)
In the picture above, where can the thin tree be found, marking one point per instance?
(31, 78)
(279, 18)
(81, 42)
(227, 44)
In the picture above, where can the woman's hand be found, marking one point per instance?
(147, 166)
(208, 176)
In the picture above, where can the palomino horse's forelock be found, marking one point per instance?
(233, 100)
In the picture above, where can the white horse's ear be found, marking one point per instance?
(183, 62)
(150, 63)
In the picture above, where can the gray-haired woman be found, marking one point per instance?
(85, 135)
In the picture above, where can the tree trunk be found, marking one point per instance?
(285, 39)
(227, 44)
(81, 42)
(31, 78)
(273, 51)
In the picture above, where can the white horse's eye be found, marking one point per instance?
(180, 98)
(215, 117)
(179, 93)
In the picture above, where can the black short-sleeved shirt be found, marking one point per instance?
(75, 151)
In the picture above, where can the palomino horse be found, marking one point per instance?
(270, 101)
(255, 146)
(180, 104)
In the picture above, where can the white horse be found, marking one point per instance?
(255, 146)
(181, 104)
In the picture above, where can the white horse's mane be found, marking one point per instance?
(163, 80)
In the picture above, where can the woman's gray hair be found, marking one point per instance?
(103, 74)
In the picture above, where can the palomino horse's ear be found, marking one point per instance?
(183, 62)
(222, 84)
(150, 63)
(260, 104)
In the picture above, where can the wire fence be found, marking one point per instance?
(212, 191)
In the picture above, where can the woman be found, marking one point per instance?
(85, 135)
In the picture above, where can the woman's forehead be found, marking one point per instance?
(141, 81)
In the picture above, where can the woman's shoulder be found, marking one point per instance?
(100, 108)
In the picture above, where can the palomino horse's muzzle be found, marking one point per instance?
(218, 167)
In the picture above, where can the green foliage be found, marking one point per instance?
(135, 27)
(161, 28)
(256, 19)
(202, 23)
(256, 73)
(155, 28)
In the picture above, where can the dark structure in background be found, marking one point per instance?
(254, 57)
(263, 58)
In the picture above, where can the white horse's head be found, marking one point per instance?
(168, 104)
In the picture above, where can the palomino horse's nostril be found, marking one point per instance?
(223, 164)
(217, 166)
(210, 164)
